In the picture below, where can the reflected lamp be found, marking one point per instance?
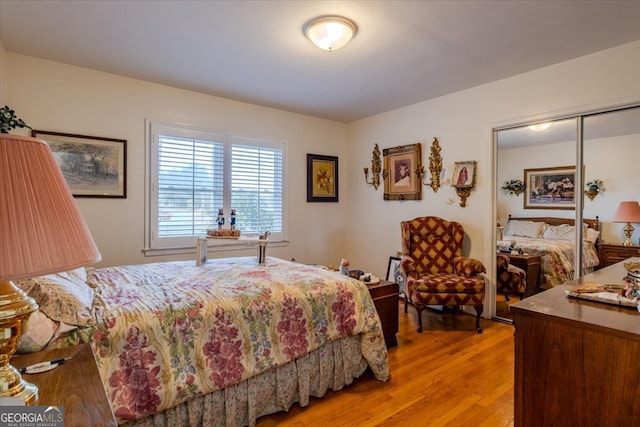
(628, 211)
(41, 232)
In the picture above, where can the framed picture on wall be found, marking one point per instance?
(550, 188)
(92, 166)
(464, 174)
(322, 178)
(401, 172)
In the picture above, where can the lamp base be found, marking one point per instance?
(15, 309)
(628, 231)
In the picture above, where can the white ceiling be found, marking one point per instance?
(254, 51)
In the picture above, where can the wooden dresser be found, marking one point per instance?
(386, 298)
(610, 253)
(576, 361)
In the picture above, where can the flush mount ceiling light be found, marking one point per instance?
(540, 126)
(330, 32)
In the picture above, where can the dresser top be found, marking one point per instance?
(595, 315)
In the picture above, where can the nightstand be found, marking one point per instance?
(75, 385)
(385, 297)
(610, 253)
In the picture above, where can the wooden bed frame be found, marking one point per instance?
(591, 223)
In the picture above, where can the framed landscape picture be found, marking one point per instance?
(322, 178)
(550, 188)
(91, 165)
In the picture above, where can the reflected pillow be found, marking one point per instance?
(531, 229)
(591, 235)
(560, 232)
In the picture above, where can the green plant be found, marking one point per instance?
(596, 186)
(9, 120)
(514, 186)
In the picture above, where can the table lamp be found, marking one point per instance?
(41, 232)
(628, 212)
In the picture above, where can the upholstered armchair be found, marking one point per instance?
(510, 280)
(436, 272)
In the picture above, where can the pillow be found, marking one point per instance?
(591, 235)
(524, 228)
(560, 232)
(63, 297)
(41, 330)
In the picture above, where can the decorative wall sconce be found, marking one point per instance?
(464, 179)
(514, 187)
(376, 168)
(435, 167)
(593, 188)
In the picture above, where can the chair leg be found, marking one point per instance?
(406, 303)
(506, 297)
(479, 309)
(419, 308)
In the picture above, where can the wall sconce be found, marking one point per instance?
(435, 167)
(376, 168)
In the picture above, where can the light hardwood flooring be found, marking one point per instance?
(448, 375)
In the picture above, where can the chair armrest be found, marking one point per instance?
(469, 267)
(407, 264)
(502, 262)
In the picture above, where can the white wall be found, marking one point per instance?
(363, 227)
(61, 98)
(463, 122)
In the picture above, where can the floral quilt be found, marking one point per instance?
(556, 257)
(172, 331)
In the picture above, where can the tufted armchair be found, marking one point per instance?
(509, 278)
(436, 272)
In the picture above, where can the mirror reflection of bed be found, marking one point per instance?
(544, 250)
(607, 146)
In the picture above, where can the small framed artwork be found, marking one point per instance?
(550, 188)
(322, 178)
(91, 165)
(402, 172)
(394, 274)
(464, 174)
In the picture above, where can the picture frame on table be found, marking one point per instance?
(322, 178)
(401, 172)
(550, 188)
(93, 166)
(395, 275)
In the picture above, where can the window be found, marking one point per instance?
(193, 173)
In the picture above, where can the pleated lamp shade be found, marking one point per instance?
(41, 228)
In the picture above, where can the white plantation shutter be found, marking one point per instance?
(194, 173)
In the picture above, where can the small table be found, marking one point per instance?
(386, 298)
(531, 264)
(75, 385)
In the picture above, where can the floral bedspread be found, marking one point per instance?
(556, 256)
(172, 331)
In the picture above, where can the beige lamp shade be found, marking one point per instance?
(41, 228)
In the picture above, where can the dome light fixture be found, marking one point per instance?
(330, 32)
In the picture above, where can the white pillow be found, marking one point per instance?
(524, 228)
(560, 232)
(591, 235)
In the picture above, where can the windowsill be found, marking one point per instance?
(216, 245)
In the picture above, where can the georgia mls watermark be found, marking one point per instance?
(31, 416)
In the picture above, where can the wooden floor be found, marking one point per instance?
(447, 376)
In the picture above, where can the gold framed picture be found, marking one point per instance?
(464, 174)
(550, 188)
(401, 172)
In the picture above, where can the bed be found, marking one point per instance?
(218, 344)
(554, 240)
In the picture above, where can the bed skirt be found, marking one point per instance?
(330, 367)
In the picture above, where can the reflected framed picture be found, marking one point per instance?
(550, 188)
(401, 172)
(322, 178)
(92, 166)
(394, 274)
